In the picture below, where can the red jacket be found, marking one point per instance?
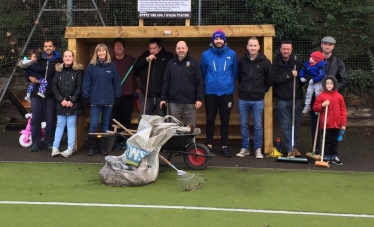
(337, 113)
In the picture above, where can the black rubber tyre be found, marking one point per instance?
(197, 162)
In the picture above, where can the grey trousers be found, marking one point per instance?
(188, 110)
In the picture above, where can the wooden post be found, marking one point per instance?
(188, 22)
(141, 22)
(268, 110)
(81, 55)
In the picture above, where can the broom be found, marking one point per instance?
(186, 181)
(322, 163)
(313, 154)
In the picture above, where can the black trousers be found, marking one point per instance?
(123, 111)
(43, 109)
(331, 142)
(213, 104)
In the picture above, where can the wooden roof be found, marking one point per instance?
(176, 31)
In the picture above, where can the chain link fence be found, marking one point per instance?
(20, 18)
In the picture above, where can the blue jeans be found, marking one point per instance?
(285, 119)
(257, 108)
(106, 112)
(62, 121)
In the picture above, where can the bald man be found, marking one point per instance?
(183, 86)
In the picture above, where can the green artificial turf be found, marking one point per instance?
(289, 190)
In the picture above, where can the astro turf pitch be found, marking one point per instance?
(40, 194)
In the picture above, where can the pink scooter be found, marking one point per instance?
(25, 138)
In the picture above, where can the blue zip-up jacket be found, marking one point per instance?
(317, 71)
(219, 67)
(101, 84)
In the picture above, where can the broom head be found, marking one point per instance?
(322, 164)
(189, 181)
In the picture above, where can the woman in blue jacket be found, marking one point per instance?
(101, 91)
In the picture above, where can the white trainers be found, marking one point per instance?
(306, 109)
(41, 94)
(55, 152)
(243, 152)
(67, 153)
(27, 98)
(258, 153)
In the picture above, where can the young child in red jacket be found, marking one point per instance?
(336, 117)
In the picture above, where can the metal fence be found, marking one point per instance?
(20, 16)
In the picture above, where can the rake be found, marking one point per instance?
(186, 181)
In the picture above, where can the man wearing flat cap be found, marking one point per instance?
(334, 67)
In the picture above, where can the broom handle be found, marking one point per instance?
(324, 133)
(167, 162)
(316, 133)
(160, 156)
(293, 108)
(146, 88)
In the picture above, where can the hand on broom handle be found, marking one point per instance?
(146, 87)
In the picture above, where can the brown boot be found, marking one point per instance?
(297, 153)
(290, 154)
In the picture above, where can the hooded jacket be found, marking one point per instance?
(67, 85)
(49, 65)
(219, 67)
(156, 73)
(101, 84)
(284, 79)
(315, 72)
(183, 82)
(337, 113)
(255, 77)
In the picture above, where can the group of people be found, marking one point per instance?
(179, 83)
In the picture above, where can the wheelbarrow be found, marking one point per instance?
(196, 156)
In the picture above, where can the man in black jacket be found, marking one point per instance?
(334, 67)
(44, 107)
(183, 86)
(159, 58)
(286, 67)
(255, 76)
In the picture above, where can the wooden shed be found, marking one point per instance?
(82, 41)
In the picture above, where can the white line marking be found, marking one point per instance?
(189, 208)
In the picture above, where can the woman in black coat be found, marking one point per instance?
(67, 90)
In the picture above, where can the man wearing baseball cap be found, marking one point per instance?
(334, 67)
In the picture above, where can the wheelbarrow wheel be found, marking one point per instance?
(197, 162)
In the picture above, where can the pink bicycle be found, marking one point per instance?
(25, 138)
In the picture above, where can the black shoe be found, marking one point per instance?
(336, 161)
(225, 152)
(327, 158)
(104, 153)
(34, 148)
(91, 152)
(50, 147)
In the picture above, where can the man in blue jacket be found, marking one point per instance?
(219, 66)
